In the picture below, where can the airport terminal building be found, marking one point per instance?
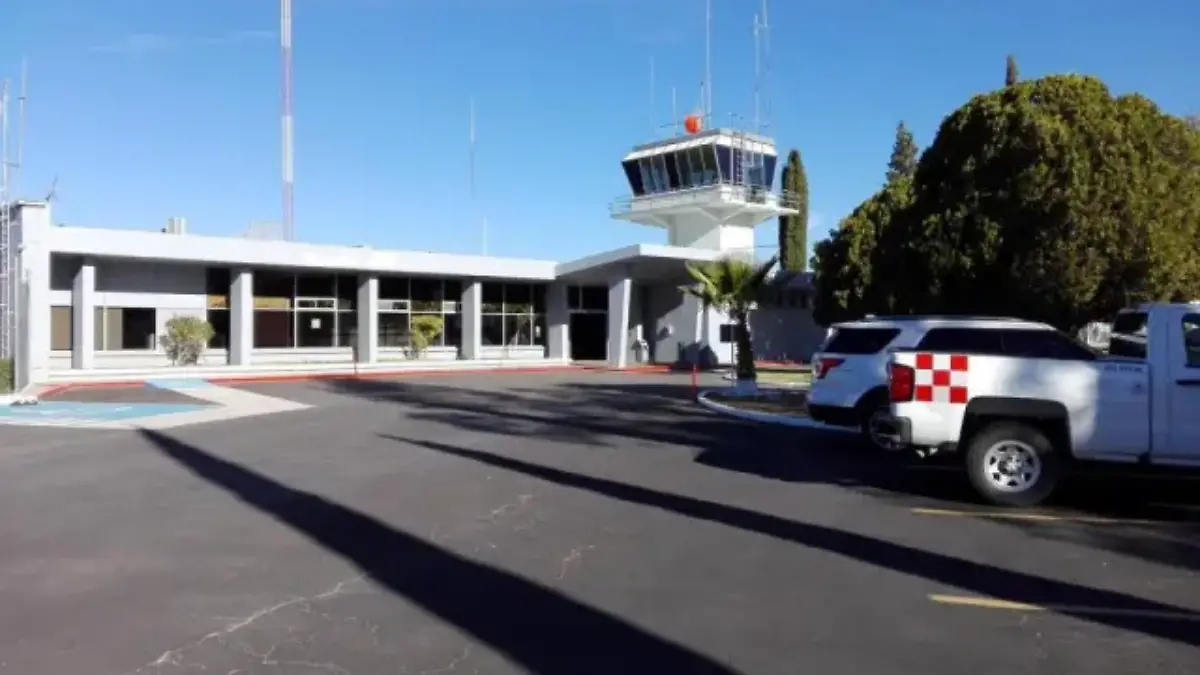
(89, 303)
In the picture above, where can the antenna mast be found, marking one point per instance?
(5, 212)
(708, 84)
(653, 121)
(766, 63)
(285, 46)
(484, 225)
(757, 75)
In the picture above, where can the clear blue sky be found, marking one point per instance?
(146, 109)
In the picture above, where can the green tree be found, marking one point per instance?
(793, 230)
(423, 329)
(1052, 200)
(1011, 76)
(732, 285)
(186, 339)
(903, 163)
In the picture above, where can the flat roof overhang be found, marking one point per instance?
(239, 252)
(642, 262)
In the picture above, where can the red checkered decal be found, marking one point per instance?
(942, 378)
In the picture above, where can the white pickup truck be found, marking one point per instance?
(1020, 404)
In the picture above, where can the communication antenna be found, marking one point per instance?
(285, 48)
(674, 114)
(484, 224)
(6, 231)
(653, 121)
(765, 82)
(708, 83)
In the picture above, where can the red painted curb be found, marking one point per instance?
(369, 375)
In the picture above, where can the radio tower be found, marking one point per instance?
(285, 45)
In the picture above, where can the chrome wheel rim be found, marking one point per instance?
(1012, 466)
(874, 423)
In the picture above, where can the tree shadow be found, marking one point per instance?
(530, 624)
(612, 413)
(1125, 612)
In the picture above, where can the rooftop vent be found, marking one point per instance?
(176, 226)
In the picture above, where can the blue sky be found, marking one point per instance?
(146, 109)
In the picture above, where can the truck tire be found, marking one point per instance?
(1013, 464)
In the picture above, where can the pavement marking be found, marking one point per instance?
(1009, 605)
(1046, 517)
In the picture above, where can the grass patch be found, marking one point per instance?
(777, 403)
(6, 376)
(785, 378)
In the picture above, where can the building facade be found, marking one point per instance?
(89, 303)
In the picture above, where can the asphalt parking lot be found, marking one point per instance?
(563, 523)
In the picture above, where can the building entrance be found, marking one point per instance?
(589, 336)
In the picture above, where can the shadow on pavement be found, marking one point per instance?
(613, 412)
(979, 578)
(534, 626)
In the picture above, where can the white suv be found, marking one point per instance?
(849, 386)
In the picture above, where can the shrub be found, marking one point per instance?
(6, 375)
(186, 339)
(423, 330)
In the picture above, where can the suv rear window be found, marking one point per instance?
(1017, 342)
(860, 340)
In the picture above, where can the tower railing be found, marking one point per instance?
(701, 195)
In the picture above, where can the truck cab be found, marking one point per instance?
(1018, 407)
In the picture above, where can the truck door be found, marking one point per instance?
(1184, 389)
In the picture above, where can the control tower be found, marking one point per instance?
(707, 188)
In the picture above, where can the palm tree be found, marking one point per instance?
(732, 285)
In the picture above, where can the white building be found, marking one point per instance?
(90, 303)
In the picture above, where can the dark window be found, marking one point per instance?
(393, 288)
(314, 329)
(426, 295)
(219, 320)
(724, 159)
(453, 330)
(124, 328)
(518, 299)
(273, 329)
(594, 298)
(393, 329)
(539, 298)
(769, 162)
(491, 329)
(493, 298)
(1044, 344)
(217, 281)
(1129, 333)
(860, 340)
(634, 175)
(452, 290)
(671, 160)
(728, 331)
(314, 285)
(1191, 339)
(347, 291)
(269, 284)
(684, 165)
(62, 328)
(984, 341)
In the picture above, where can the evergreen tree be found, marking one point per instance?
(793, 230)
(1010, 71)
(903, 163)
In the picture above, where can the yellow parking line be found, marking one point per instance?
(996, 603)
(1043, 517)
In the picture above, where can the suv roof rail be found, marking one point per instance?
(940, 317)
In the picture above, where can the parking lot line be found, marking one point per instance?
(1079, 610)
(1046, 517)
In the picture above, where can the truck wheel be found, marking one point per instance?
(1012, 464)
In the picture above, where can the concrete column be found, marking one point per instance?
(32, 276)
(83, 317)
(368, 318)
(620, 292)
(558, 322)
(472, 321)
(241, 317)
